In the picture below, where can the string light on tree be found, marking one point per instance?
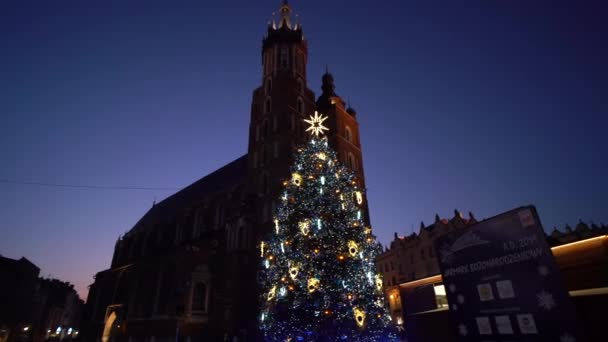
(321, 282)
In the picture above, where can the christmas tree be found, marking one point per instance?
(319, 280)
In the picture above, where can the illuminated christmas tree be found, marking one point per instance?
(319, 280)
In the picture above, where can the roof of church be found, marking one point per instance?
(229, 175)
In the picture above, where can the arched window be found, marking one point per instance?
(263, 156)
(350, 161)
(265, 129)
(242, 238)
(300, 86)
(178, 233)
(264, 184)
(267, 105)
(284, 57)
(347, 134)
(276, 150)
(265, 210)
(199, 297)
(198, 222)
(268, 85)
(300, 106)
(219, 215)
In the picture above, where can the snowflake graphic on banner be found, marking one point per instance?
(543, 270)
(545, 300)
(462, 330)
(567, 338)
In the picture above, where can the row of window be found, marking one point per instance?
(268, 106)
(284, 60)
(263, 157)
(424, 252)
(139, 245)
(268, 86)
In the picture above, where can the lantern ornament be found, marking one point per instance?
(271, 293)
(359, 315)
(352, 248)
(359, 197)
(296, 179)
(293, 272)
(378, 282)
(304, 227)
(262, 246)
(276, 225)
(313, 285)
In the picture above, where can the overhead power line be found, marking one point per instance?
(82, 186)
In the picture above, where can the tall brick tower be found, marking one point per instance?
(279, 106)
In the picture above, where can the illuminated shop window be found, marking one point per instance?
(440, 296)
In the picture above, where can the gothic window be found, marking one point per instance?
(347, 134)
(262, 156)
(219, 215)
(300, 63)
(199, 297)
(265, 129)
(265, 212)
(276, 150)
(284, 57)
(274, 123)
(242, 237)
(300, 86)
(422, 255)
(257, 132)
(267, 105)
(178, 234)
(264, 184)
(196, 231)
(268, 85)
(266, 64)
(350, 161)
(300, 106)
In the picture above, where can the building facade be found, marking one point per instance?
(413, 257)
(414, 285)
(33, 308)
(18, 281)
(187, 269)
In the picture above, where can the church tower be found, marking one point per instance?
(278, 108)
(280, 105)
(343, 134)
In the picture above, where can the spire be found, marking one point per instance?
(328, 85)
(285, 15)
(328, 96)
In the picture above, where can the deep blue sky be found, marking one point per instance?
(477, 105)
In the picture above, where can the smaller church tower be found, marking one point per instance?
(343, 134)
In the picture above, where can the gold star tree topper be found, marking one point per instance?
(316, 124)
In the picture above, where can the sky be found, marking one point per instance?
(480, 106)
